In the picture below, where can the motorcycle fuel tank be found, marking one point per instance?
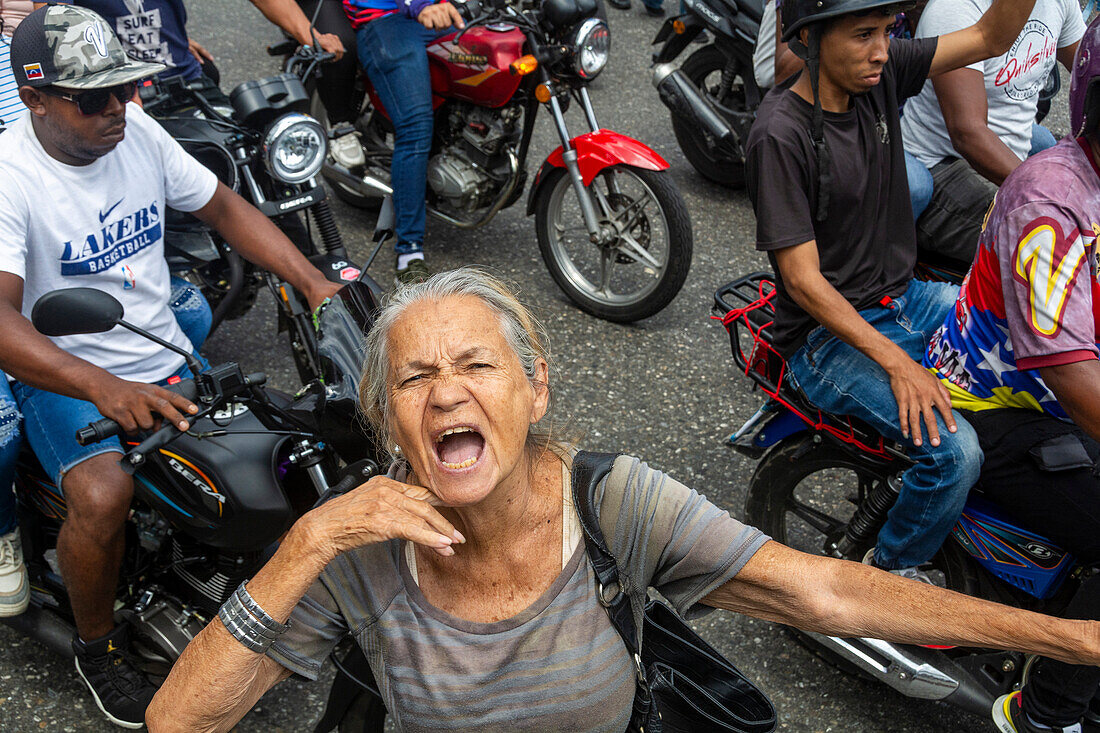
(223, 488)
(477, 69)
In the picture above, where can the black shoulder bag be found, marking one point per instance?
(683, 684)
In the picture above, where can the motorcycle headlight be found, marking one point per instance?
(593, 47)
(294, 148)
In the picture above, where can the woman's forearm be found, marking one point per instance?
(217, 680)
(847, 599)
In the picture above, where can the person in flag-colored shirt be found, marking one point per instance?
(1019, 355)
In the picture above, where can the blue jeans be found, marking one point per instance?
(194, 317)
(391, 50)
(840, 379)
(920, 184)
(1041, 139)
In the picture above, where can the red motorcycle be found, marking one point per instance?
(612, 227)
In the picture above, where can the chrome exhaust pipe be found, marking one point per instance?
(366, 185)
(684, 100)
(914, 671)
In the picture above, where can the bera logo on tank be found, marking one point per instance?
(113, 243)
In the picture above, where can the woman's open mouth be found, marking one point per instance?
(459, 447)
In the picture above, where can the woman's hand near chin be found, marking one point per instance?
(381, 509)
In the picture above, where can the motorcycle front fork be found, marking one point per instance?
(597, 232)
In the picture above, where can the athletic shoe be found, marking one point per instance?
(416, 271)
(1009, 717)
(655, 11)
(15, 589)
(620, 4)
(120, 691)
(914, 573)
(347, 150)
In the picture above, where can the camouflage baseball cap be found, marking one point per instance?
(73, 48)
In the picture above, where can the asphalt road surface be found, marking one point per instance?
(663, 389)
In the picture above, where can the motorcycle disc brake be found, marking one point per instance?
(640, 230)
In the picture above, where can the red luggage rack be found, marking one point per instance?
(746, 308)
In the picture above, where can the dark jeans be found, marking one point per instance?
(953, 219)
(336, 85)
(1062, 505)
(391, 49)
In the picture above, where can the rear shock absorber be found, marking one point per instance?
(332, 243)
(870, 516)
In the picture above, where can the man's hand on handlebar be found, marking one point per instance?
(441, 16)
(330, 43)
(134, 405)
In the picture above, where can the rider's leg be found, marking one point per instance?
(838, 378)
(97, 494)
(391, 50)
(191, 310)
(337, 78)
(953, 219)
(1059, 504)
(14, 585)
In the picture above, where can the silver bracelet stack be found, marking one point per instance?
(248, 623)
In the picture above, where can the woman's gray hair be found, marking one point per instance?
(521, 330)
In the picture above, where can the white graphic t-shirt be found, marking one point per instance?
(1012, 81)
(101, 226)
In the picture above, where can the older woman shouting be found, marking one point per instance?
(463, 574)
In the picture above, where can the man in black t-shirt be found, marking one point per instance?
(826, 174)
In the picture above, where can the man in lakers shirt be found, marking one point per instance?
(1019, 356)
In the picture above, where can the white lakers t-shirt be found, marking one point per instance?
(101, 226)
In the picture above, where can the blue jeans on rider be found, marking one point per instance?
(838, 378)
(194, 317)
(920, 184)
(391, 50)
(1041, 139)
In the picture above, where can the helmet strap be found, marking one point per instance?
(817, 123)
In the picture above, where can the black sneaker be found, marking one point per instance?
(119, 689)
(1009, 717)
(655, 11)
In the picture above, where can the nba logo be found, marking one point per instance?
(129, 282)
(33, 71)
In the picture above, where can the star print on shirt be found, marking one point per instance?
(992, 362)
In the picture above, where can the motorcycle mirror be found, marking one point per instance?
(76, 310)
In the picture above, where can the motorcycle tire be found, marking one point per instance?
(573, 265)
(722, 169)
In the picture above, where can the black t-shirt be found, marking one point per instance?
(867, 245)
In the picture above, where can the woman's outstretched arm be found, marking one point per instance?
(842, 598)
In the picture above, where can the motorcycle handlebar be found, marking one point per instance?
(107, 428)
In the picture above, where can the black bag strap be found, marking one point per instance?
(588, 470)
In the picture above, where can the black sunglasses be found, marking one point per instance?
(94, 101)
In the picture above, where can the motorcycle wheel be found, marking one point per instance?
(344, 192)
(643, 269)
(704, 69)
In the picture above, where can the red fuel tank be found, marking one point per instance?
(477, 69)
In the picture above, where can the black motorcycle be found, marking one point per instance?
(259, 142)
(713, 96)
(209, 504)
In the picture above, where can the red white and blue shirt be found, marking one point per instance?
(1032, 296)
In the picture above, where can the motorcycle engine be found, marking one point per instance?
(473, 163)
(211, 574)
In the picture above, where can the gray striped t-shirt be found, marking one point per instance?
(557, 665)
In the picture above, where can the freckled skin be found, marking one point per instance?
(450, 365)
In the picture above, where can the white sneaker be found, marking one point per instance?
(347, 150)
(936, 577)
(15, 589)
